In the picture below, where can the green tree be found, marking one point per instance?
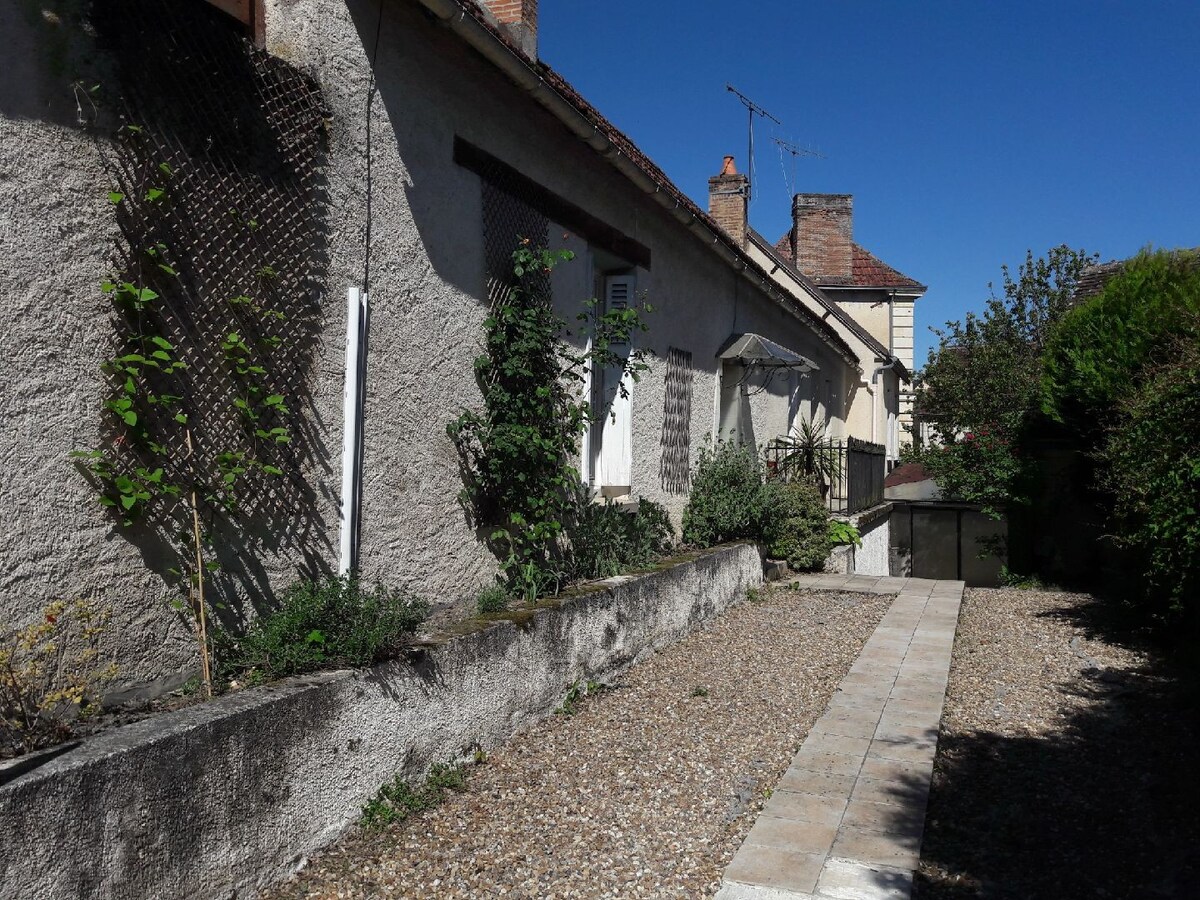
(1122, 375)
(981, 388)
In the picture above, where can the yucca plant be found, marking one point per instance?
(810, 454)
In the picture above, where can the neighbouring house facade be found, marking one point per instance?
(881, 299)
(872, 401)
(365, 172)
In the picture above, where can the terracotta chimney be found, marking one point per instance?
(518, 20)
(727, 196)
(823, 235)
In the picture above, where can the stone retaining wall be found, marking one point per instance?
(218, 799)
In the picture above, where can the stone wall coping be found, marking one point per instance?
(217, 799)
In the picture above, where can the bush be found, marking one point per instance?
(50, 675)
(1121, 373)
(1152, 459)
(327, 624)
(801, 533)
(606, 540)
(1100, 349)
(729, 500)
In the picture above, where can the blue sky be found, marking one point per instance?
(968, 131)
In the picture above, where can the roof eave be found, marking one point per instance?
(468, 21)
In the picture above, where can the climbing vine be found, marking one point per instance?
(158, 465)
(520, 483)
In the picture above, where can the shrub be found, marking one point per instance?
(1098, 352)
(515, 454)
(801, 535)
(606, 539)
(1152, 459)
(326, 624)
(729, 500)
(1121, 373)
(50, 674)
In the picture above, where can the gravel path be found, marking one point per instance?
(647, 791)
(1066, 764)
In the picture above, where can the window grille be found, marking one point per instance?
(675, 465)
(236, 141)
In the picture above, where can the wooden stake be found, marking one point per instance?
(201, 623)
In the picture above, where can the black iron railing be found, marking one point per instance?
(849, 473)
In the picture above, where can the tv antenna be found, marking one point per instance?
(753, 109)
(796, 151)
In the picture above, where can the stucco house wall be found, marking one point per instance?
(57, 232)
(403, 220)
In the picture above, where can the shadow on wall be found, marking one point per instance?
(1108, 805)
(410, 145)
(47, 53)
(223, 217)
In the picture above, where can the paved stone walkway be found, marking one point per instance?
(845, 821)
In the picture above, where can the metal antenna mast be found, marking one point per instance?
(753, 110)
(796, 150)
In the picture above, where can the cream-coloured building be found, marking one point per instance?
(870, 307)
(821, 246)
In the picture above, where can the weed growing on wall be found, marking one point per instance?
(607, 539)
(843, 533)
(516, 454)
(50, 675)
(397, 800)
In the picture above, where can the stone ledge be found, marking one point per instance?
(861, 520)
(221, 798)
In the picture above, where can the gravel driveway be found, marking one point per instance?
(647, 791)
(1067, 761)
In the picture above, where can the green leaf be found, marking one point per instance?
(115, 197)
(181, 418)
(130, 417)
(128, 501)
(165, 169)
(154, 194)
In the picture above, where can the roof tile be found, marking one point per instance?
(867, 270)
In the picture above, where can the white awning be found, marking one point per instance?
(756, 350)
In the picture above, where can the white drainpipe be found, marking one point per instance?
(875, 396)
(356, 314)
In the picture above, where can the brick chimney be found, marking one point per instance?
(518, 20)
(728, 193)
(822, 235)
